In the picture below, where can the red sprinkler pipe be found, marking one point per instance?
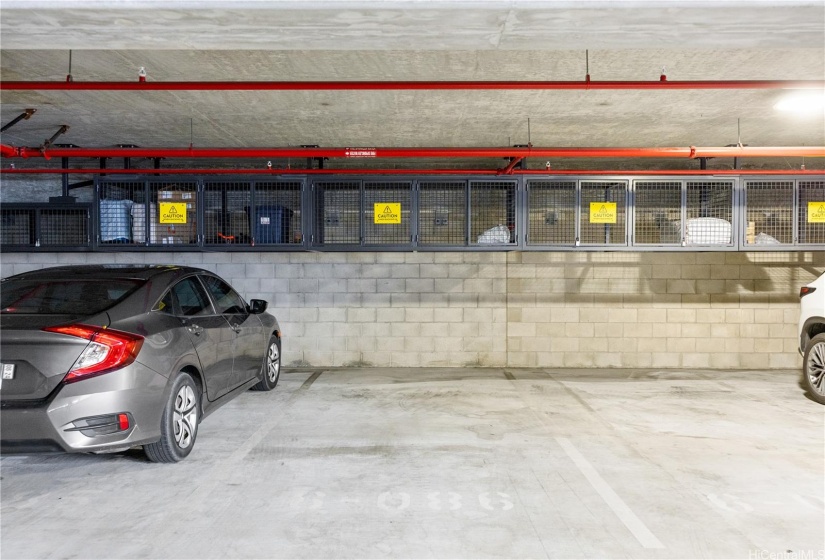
(768, 151)
(359, 153)
(512, 165)
(8, 151)
(408, 85)
(423, 172)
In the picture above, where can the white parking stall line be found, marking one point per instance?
(635, 525)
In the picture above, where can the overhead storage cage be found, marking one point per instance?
(147, 212)
(493, 213)
(442, 213)
(118, 203)
(769, 213)
(276, 214)
(551, 212)
(382, 213)
(683, 213)
(603, 213)
(173, 213)
(226, 207)
(363, 213)
(658, 217)
(50, 226)
(709, 214)
(570, 213)
(17, 225)
(387, 213)
(251, 213)
(812, 213)
(784, 214)
(337, 213)
(396, 213)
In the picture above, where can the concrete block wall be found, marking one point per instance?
(657, 310)
(518, 309)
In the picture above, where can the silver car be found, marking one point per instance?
(105, 358)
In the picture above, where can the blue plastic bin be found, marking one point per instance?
(272, 224)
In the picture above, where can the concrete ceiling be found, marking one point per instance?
(414, 40)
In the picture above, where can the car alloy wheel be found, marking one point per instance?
(815, 367)
(271, 366)
(185, 416)
(273, 362)
(179, 423)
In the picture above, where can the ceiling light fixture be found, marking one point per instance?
(802, 102)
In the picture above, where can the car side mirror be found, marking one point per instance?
(257, 306)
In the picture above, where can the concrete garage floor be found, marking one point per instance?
(453, 463)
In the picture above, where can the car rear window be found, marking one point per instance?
(48, 297)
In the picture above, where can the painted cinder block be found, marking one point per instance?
(565, 309)
(724, 361)
(259, 270)
(419, 285)
(406, 271)
(696, 360)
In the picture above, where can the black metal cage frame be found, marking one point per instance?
(428, 213)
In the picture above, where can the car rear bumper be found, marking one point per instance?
(52, 424)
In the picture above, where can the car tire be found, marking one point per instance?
(179, 423)
(271, 369)
(813, 368)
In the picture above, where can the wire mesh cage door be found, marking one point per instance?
(551, 213)
(493, 212)
(387, 213)
(64, 227)
(338, 212)
(812, 213)
(657, 218)
(769, 213)
(277, 213)
(709, 213)
(122, 218)
(173, 212)
(226, 212)
(442, 213)
(17, 226)
(603, 213)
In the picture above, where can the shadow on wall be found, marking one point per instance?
(724, 277)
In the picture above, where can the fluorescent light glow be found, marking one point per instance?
(802, 102)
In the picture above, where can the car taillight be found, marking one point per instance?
(107, 351)
(805, 290)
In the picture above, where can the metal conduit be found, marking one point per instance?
(661, 84)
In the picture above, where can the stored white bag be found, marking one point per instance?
(498, 234)
(707, 231)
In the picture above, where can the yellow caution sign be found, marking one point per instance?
(387, 212)
(816, 212)
(173, 212)
(603, 212)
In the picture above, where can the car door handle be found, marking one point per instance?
(195, 329)
(236, 328)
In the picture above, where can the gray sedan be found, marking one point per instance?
(105, 358)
